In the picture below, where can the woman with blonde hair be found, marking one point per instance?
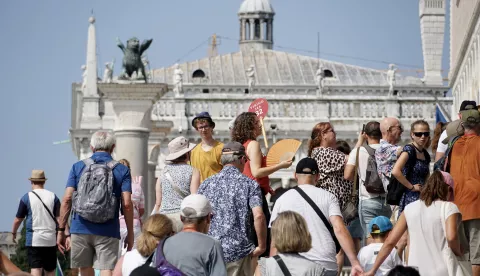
(290, 236)
(138, 201)
(156, 228)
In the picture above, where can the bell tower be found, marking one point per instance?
(432, 25)
(256, 25)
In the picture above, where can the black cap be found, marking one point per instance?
(307, 166)
(233, 148)
(466, 105)
(204, 115)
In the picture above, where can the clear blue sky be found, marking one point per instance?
(44, 45)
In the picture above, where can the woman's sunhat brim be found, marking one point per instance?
(175, 155)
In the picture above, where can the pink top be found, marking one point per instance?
(138, 201)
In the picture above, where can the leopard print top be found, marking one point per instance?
(331, 164)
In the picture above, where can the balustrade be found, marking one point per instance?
(304, 109)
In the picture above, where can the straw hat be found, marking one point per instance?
(37, 175)
(178, 147)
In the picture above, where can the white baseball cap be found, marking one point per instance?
(195, 206)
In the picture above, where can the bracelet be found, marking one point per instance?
(61, 229)
(413, 187)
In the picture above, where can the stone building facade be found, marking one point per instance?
(301, 92)
(464, 75)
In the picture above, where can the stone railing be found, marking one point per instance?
(301, 110)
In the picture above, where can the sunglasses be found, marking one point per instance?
(420, 134)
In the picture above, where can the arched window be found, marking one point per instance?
(198, 74)
(327, 73)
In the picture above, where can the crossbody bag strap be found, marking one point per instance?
(321, 215)
(48, 210)
(282, 265)
(355, 179)
(174, 185)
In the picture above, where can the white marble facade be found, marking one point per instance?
(464, 76)
(351, 96)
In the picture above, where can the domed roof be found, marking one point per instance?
(256, 6)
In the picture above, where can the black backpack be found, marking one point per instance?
(443, 164)
(373, 184)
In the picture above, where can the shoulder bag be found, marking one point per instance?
(322, 217)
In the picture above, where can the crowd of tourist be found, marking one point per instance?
(380, 205)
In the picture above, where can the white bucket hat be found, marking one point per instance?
(178, 147)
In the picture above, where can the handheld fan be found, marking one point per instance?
(282, 151)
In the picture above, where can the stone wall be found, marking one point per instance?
(463, 17)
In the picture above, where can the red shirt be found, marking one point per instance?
(264, 182)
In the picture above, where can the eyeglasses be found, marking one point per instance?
(204, 127)
(420, 134)
(399, 127)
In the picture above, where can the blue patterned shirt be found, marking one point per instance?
(232, 196)
(386, 156)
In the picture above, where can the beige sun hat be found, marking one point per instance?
(178, 147)
(37, 175)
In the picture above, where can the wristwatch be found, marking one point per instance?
(61, 229)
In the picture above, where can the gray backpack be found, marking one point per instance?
(373, 184)
(94, 199)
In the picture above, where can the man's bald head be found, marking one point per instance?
(388, 122)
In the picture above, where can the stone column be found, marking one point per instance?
(252, 29)
(132, 105)
(242, 29)
(262, 30)
(271, 29)
(149, 189)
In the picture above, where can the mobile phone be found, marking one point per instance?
(363, 128)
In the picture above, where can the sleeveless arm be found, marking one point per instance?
(158, 196)
(195, 182)
(255, 155)
(398, 168)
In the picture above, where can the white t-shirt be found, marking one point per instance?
(441, 146)
(427, 239)
(362, 169)
(368, 255)
(133, 259)
(323, 247)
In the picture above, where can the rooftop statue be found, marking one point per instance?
(391, 78)
(132, 59)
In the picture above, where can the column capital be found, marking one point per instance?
(132, 104)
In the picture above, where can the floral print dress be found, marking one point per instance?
(416, 171)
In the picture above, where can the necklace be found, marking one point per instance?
(419, 151)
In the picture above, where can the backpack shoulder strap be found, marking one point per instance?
(159, 252)
(282, 265)
(370, 150)
(321, 215)
(88, 161)
(112, 164)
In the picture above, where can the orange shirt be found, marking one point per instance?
(264, 182)
(465, 170)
